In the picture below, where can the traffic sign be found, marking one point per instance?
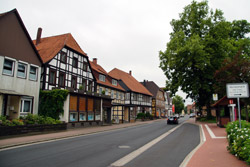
(237, 90)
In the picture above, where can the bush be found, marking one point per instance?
(239, 139)
(28, 120)
(140, 116)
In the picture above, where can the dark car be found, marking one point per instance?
(172, 120)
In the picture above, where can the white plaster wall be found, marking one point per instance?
(20, 85)
(65, 116)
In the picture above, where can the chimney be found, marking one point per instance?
(38, 36)
(130, 72)
(95, 60)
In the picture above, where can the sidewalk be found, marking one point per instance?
(29, 139)
(213, 152)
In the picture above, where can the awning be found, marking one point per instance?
(11, 92)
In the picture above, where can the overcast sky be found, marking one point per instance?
(124, 34)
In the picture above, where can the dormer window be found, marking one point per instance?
(114, 82)
(102, 77)
(63, 57)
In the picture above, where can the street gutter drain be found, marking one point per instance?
(124, 146)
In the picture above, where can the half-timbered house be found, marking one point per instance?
(20, 68)
(66, 66)
(110, 86)
(158, 99)
(137, 98)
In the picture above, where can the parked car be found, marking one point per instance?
(192, 115)
(172, 120)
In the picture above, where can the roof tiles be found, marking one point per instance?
(130, 81)
(50, 46)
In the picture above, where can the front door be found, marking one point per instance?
(107, 115)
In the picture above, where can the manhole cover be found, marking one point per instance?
(124, 146)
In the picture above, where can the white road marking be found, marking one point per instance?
(212, 134)
(124, 146)
(134, 154)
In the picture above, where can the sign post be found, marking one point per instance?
(238, 90)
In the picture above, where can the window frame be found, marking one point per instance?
(75, 77)
(114, 82)
(12, 67)
(102, 77)
(75, 59)
(54, 81)
(64, 78)
(62, 54)
(25, 70)
(22, 105)
(32, 66)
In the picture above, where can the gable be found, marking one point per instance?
(15, 41)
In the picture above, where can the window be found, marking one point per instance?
(33, 73)
(21, 70)
(100, 90)
(82, 116)
(114, 82)
(75, 62)
(73, 117)
(52, 77)
(74, 82)
(63, 57)
(26, 105)
(112, 94)
(90, 86)
(61, 79)
(8, 67)
(102, 77)
(85, 64)
(84, 84)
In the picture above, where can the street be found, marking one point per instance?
(105, 148)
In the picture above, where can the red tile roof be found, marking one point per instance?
(50, 46)
(130, 81)
(98, 69)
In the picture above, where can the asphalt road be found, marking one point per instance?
(102, 149)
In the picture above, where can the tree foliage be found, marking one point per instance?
(51, 103)
(178, 103)
(201, 40)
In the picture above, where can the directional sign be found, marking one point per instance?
(237, 90)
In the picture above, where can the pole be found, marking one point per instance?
(233, 113)
(238, 100)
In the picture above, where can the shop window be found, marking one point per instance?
(73, 116)
(82, 116)
(91, 116)
(8, 67)
(33, 73)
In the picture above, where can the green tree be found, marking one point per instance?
(200, 42)
(178, 104)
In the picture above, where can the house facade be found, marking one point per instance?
(66, 66)
(109, 86)
(137, 98)
(20, 68)
(158, 99)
